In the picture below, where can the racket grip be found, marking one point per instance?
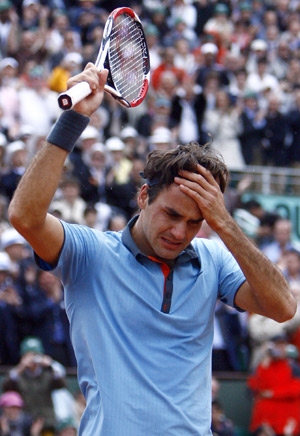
(68, 99)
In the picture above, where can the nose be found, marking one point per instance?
(178, 231)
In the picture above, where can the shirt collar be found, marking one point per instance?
(189, 254)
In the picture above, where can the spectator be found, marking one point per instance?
(9, 101)
(275, 134)
(280, 63)
(132, 142)
(71, 206)
(31, 11)
(117, 222)
(253, 121)
(90, 136)
(282, 242)
(258, 50)
(233, 64)
(9, 28)
(181, 31)
(220, 424)
(117, 117)
(215, 388)
(292, 34)
(3, 143)
(152, 36)
(71, 43)
(38, 104)
(98, 216)
(276, 387)
(161, 139)
(242, 33)
(4, 224)
(58, 28)
(261, 330)
(69, 66)
(220, 24)
(293, 76)
(187, 112)
(184, 57)
(67, 428)
(292, 269)
(158, 15)
(210, 65)
(161, 116)
(167, 64)
(15, 246)
(16, 158)
(229, 346)
(80, 404)
(121, 195)
(265, 232)
(293, 120)
(222, 123)
(167, 84)
(45, 309)
(92, 174)
(184, 11)
(36, 376)
(261, 80)
(120, 165)
(11, 314)
(13, 420)
(31, 47)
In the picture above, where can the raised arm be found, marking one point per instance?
(265, 291)
(28, 210)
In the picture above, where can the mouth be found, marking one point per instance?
(169, 243)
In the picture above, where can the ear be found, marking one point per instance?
(143, 197)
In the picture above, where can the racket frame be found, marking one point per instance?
(68, 99)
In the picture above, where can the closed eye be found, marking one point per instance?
(175, 215)
(196, 222)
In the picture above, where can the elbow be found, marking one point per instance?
(14, 215)
(17, 218)
(288, 312)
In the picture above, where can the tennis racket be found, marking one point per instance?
(124, 53)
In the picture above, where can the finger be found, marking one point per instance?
(89, 65)
(193, 181)
(102, 77)
(89, 74)
(204, 172)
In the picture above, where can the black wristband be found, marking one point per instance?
(67, 129)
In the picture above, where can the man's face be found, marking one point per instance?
(168, 224)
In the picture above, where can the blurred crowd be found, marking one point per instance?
(222, 72)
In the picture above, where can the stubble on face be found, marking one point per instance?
(167, 225)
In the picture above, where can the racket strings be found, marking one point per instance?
(126, 58)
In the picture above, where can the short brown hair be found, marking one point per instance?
(162, 166)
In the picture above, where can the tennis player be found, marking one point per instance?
(141, 301)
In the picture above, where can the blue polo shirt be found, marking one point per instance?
(142, 334)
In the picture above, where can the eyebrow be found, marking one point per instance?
(174, 212)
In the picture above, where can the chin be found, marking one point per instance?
(166, 254)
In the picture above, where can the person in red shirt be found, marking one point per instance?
(276, 387)
(167, 65)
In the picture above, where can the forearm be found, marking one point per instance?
(269, 292)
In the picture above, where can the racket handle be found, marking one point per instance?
(68, 99)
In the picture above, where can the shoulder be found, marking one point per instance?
(84, 233)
